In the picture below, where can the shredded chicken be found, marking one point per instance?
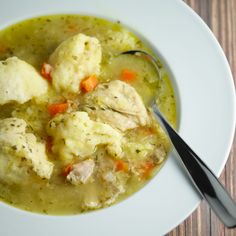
(118, 104)
(81, 172)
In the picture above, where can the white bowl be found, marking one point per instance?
(205, 89)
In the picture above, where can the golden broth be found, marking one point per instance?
(33, 41)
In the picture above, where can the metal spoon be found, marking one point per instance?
(204, 180)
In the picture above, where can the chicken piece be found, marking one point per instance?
(109, 177)
(75, 134)
(117, 191)
(91, 199)
(81, 172)
(136, 150)
(19, 81)
(114, 184)
(22, 149)
(159, 154)
(118, 104)
(90, 204)
(75, 59)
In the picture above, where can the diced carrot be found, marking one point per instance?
(127, 75)
(67, 169)
(89, 84)
(46, 71)
(49, 144)
(54, 109)
(147, 168)
(121, 166)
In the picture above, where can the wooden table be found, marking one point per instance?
(220, 16)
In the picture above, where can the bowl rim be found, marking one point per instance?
(217, 168)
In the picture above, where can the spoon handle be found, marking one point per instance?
(203, 178)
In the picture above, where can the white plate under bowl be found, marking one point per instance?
(207, 116)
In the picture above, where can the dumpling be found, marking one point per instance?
(75, 134)
(117, 104)
(75, 59)
(19, 81)
(20, 151)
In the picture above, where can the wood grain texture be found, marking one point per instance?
(220, 16)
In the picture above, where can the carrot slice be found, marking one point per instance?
(46, 71)
(121, 166)
(67, 170)
(54, 109)
(147, 168)
(127, 75)
(89, 84)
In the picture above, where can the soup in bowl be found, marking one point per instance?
(76, 133)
